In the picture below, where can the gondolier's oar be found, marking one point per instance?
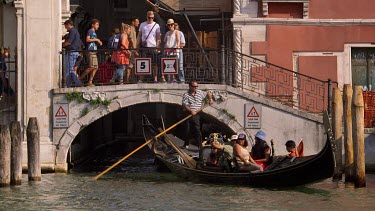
(147, 142)
(189, 161)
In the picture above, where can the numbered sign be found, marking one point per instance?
(143, 66)
(169, 65)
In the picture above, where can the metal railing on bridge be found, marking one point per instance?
(216, 66)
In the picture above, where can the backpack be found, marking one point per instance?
(113, 41)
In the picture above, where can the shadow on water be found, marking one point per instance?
(304, 189)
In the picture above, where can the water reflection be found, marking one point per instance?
(135, 185)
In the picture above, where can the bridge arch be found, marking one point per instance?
(134, 97)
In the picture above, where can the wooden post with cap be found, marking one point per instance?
(348, 137)
(358, 137)
(337, 131)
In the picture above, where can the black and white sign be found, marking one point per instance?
(169, 65)
(253, 116)
(143, 66)
(61, 115)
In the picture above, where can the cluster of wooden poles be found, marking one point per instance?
(348, 113)
(11, 140)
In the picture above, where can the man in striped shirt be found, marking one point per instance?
(192, 101)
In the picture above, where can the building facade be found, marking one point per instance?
(320, 38)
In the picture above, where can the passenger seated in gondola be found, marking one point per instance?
(261, 152)
(293, 151)
(242, 156)
(224, 154)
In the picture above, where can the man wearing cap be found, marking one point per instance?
(233, 139)
(261, 152)
(225, 160)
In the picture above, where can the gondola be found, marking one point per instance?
(283, 171)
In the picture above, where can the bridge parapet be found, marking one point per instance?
(228, 108)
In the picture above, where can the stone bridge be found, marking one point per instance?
(280, 122)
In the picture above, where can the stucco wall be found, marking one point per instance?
(283, 40)
(341, 9)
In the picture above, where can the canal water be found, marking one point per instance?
(136, 185)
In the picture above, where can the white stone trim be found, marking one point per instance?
(21, 60)
(305, 10)
(305, 22)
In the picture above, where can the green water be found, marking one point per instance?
(135, 185)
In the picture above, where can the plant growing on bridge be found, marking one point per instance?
(84, 112)
(98, 101)
(70, 96)
(231, 116)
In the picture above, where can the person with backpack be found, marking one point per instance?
(121, 57)
(114, 39)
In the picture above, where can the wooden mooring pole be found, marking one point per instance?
(358, 137)
(4, 156)
(348, 137)
(33, 150)
(16, 153)
(337, 131)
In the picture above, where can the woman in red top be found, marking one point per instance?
(121, 57)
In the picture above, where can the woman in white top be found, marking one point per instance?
(243, 158)
(171, 42)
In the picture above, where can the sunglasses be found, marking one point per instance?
(150, 17)
(194, 86)
(170, 24)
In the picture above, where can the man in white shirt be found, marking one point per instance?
(181, 73)
(149, 37)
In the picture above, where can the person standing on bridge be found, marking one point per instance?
(192, 102)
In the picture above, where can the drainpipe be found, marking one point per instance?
(63, 78)
(222, 50)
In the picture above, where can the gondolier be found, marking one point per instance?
(192, 101)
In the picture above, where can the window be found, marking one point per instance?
(363, 67)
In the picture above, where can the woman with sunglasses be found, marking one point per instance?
(171, 43)
(243, 158)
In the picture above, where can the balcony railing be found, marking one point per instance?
(8, 92)
(221, 66)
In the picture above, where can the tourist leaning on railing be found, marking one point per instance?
(121, 56)
(72, 44)
(149, 37)
(171, 43)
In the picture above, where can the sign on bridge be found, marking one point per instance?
(60, 115)
(252, 116)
